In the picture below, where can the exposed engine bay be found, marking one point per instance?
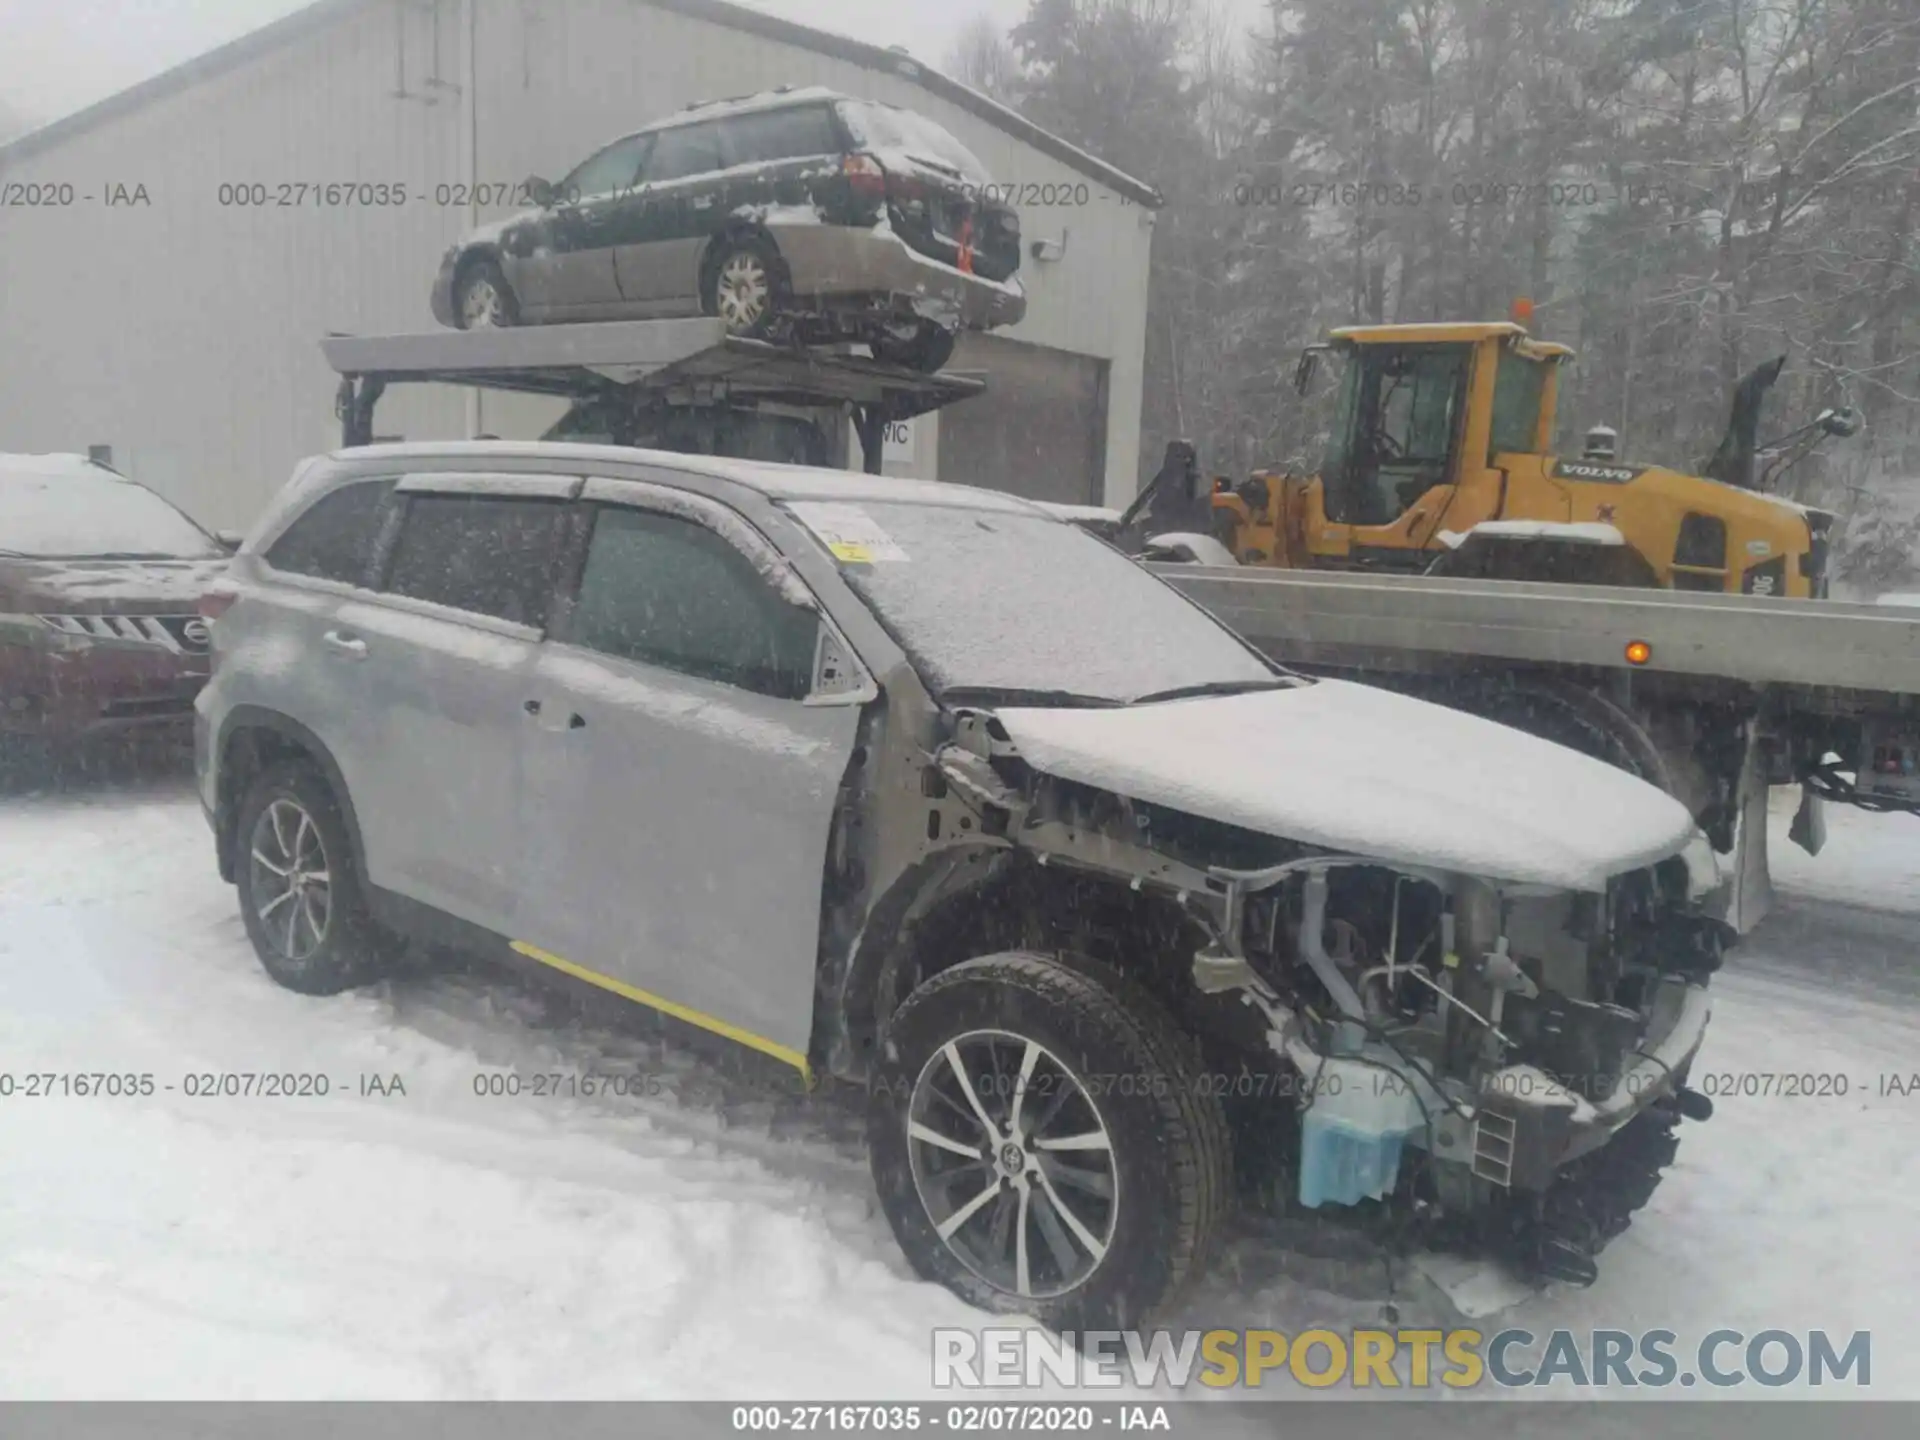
(1463, 1047)
(1477, 1066)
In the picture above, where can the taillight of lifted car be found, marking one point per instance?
(866, 177)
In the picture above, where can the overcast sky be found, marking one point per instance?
(59, 55)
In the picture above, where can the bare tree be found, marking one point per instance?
(981, 57)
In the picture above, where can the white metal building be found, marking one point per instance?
(138, 310)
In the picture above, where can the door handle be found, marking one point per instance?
(352, 646)
(532, 707)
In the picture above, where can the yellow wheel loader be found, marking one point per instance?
(1440, 462)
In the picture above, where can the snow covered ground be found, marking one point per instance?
(712, 1235)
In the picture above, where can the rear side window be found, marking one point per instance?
(778, 135)
(334, 538)
(1518, 387)
(668, 592)
(684, 150)
(490, 555)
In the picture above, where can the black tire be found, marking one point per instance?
(483, 271)
(736, 258)
(1574, 716)
(333, 941)
(930, 348)
(1166, 1156)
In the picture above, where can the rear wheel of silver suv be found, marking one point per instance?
(300, 894)
(1043, 1143)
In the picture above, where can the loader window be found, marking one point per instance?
(1517, 387)
(1399, 414)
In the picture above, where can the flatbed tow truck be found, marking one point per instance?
(1714, 697)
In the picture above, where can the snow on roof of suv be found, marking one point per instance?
(746, 104)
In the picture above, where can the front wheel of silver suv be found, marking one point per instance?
(300, 893)
(1043, 1143)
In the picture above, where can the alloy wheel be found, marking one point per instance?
(741, 290)
(1013, 1163)
(480, 306)
(291, 886)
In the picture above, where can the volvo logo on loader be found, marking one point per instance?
(1586, 470)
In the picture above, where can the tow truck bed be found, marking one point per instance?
(1834, 657)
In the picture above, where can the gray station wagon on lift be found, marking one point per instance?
(921, 788)
(803, 211)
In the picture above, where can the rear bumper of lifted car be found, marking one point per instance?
(835, 261)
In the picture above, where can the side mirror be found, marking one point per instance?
(230, 540)
(539, 191)
(1304, 372)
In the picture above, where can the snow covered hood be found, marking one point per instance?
(1365, 771)
(79, 587)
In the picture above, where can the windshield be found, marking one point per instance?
(990, 601)
(61, 512)
(883, 128)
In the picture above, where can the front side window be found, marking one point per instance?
(55, 509)
(682, 151)
(666, 591)
(487, 554)
(612, 169)
(334, 538)
(1004, 601)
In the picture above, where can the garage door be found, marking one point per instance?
(1040, 430)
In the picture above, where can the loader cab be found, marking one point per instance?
(1421, 414)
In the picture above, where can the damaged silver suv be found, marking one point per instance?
(923, 789)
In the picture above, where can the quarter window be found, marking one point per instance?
(669, 592)
(333, 539)
(482, 553)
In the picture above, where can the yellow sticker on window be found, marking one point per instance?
(849, 533)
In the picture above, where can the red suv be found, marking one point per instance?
(100, 580)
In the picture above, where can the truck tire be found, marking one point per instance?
(1087, 1195)
(300, 892)
(1570, 715)
(926, 350)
